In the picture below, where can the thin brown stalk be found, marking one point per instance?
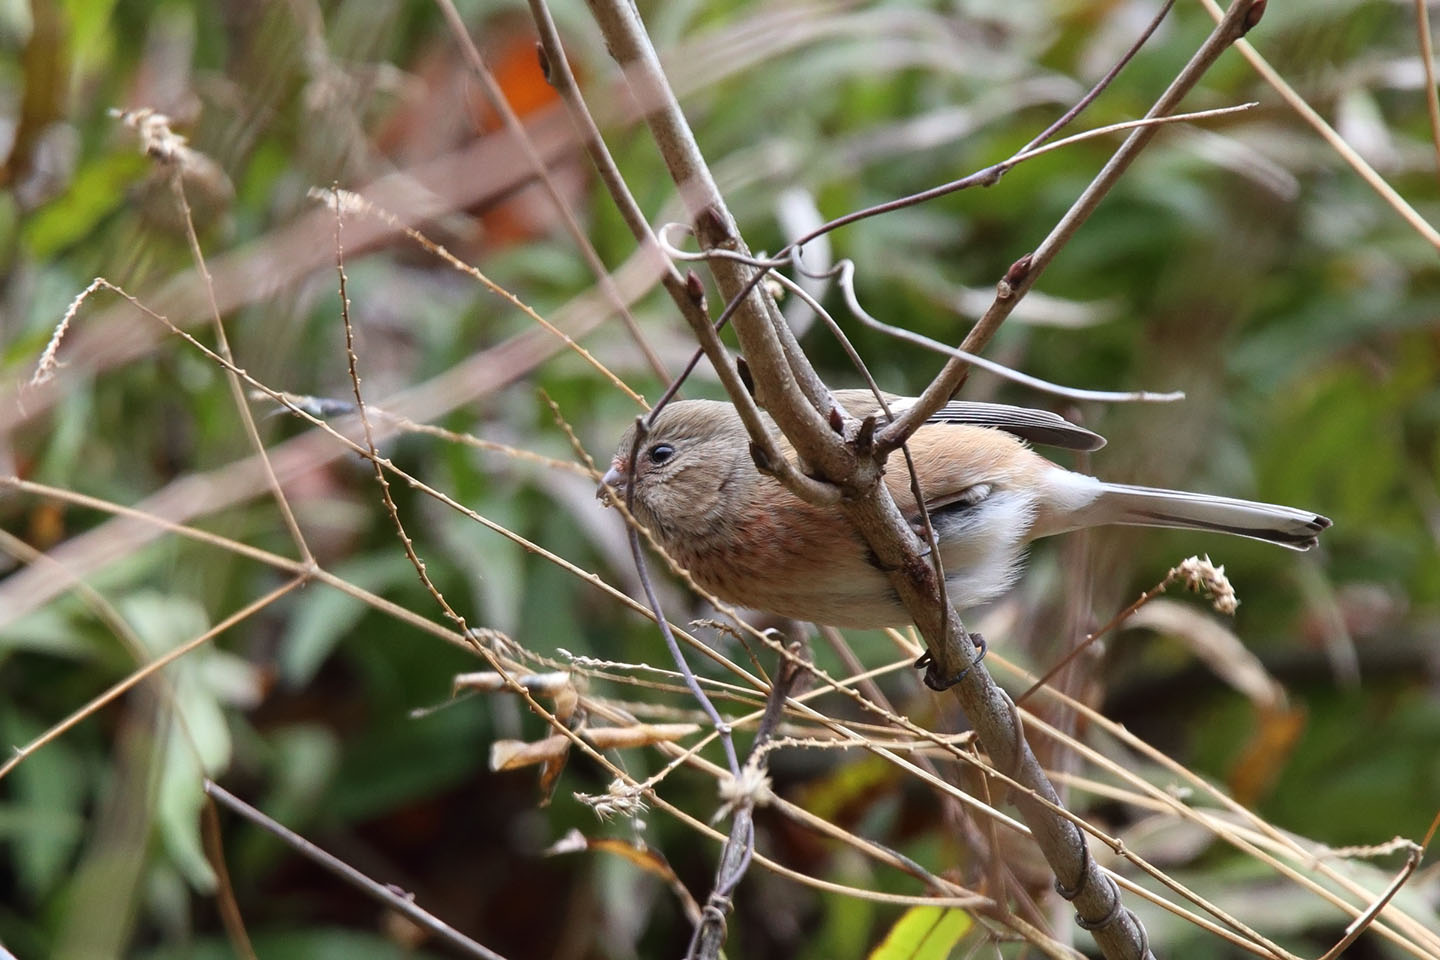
(985, 907)
(237, 393)
(1254, 942)
(1094, 635)
(105, 611)
(1301, 876)
(1361, 923)
(783, 383)
(197, 494)
(482, 171)
(541, 168)
(385, 893)
(235, 547)
(230, 915)
(984, 845)
(353, 368)
(1427, 60)
(342, 201)
(843, 273)
(688, 297)
(1327, 133)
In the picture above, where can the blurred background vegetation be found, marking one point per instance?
(1240, 261)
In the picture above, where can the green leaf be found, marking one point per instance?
(48, 631)
(197, 738)
(924, 933)
(180, 797)
(44, 822)
(98, 190)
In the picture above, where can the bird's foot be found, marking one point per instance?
(934, 681)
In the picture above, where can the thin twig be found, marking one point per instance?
(105, 611)
(1104, 81)
(1427, 60)
(237, 393)
(230, 915)
(350, 202)
(353, 368)
(1310, 864)
(843, 272)
(750, 788)
(1327, 133)
(985, 177)
(783, 383)
(1257, 943)
(196, 494)
(496, 95)
(1362, 922)
(722, 727)
(1096, 634)
(985, 846)
(692, 683)
(349, 444)
(385, 893)
(689, 298)
(273, 560)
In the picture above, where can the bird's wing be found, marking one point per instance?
(1037, 426)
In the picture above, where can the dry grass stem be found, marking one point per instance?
(1312, 117)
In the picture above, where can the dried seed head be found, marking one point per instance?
(750, 789)
(1203, 576)
(619, 799)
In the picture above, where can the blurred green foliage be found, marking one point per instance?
(1240, 261)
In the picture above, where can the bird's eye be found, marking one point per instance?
(661, 452)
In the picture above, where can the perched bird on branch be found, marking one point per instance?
(750, 541)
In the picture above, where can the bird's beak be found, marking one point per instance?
(614, 478)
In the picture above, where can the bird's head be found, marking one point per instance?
(691, 458)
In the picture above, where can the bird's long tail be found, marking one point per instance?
(1149, 507)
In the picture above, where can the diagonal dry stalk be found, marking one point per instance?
(385, 894)
(859, 741)
(496, 97)
(218, 360)
(1311, 116)
(237, 393)
(1022, 276)
(136, 676)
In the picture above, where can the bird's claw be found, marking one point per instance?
(938, 683)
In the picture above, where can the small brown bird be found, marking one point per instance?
(748, 540)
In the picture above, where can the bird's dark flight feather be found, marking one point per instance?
(1037, 426)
